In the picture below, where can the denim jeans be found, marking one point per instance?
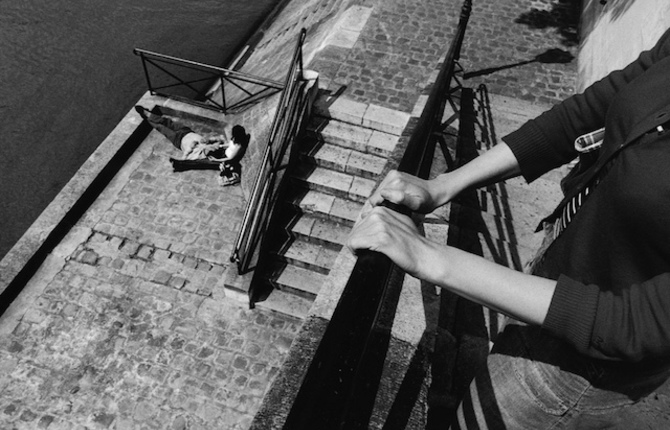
(534, 381)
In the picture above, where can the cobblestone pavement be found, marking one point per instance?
(400, 47)
(523, 49)
(128, 326)
(133, 330)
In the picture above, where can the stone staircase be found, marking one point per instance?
(339, 163)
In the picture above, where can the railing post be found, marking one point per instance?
(258, 207)
(223, 91)
(146, 72)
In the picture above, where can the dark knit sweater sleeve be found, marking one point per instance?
(547, 141)
(631, 325)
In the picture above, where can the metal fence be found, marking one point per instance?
(202, 84)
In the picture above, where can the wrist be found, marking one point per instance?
(447, 186)
(432, 262)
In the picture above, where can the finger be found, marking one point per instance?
(391, 180)
(394, 195)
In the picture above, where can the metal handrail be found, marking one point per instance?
(340, 387)
(256, 87)
(282, 133)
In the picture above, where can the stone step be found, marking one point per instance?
(336, 183)
(342, 159)
(352, 136)
(320, 230)
(287, 304)
(297, 280)
(308, 255)
(327, 206)
(362, 114)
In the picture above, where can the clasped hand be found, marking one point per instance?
(391, 233)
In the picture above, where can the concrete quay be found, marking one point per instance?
(124, 319)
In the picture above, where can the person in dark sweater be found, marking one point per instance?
(589, 334)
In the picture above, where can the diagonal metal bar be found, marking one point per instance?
(182, 82)
(222, 74)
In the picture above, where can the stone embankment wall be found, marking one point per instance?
(614, 33)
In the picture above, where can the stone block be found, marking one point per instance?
(332, 157)
(317, 202)
(288, 304)
(341, 109)
(366, 165)
(344, 134)
(346, 210)
(361, 189)
(344, 38)
(304, 226)
(381, 143)
(296, 278)
(385, 119)
(329, 180)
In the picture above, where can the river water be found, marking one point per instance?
(68, 75)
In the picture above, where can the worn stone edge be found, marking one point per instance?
(37, 234)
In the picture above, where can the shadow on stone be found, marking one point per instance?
(564, 16)
(550, 56)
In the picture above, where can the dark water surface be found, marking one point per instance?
(68, 75)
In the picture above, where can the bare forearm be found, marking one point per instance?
(522, 296)
(494, 165)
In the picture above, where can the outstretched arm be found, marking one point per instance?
(424, 196)
(524, 297)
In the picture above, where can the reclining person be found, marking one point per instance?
(200, 152)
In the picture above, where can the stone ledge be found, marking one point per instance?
(28, 246)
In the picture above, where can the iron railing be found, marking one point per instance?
(285, 127)
(340, 387)
(235, 90)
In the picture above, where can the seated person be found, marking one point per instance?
(233, 151)
(200, 152)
